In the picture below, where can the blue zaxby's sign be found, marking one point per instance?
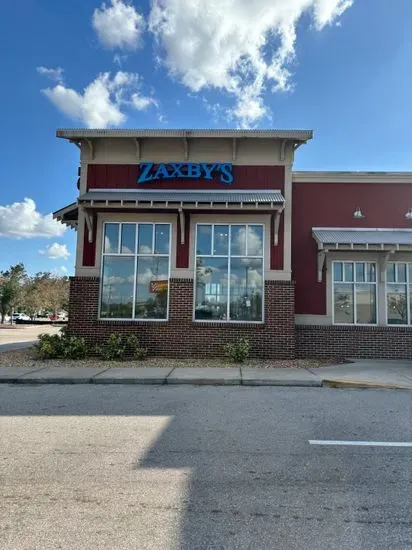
(149, 171)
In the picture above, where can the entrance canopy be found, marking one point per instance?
(387, 241)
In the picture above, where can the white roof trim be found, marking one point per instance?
(81, 133)
(352, 177)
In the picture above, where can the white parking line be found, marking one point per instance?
(361, 443)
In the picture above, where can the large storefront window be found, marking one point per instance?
(398, 293)
(229, 272)
(135, 271)
(354, 293)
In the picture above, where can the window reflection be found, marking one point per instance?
(135, 286)
(229, 287)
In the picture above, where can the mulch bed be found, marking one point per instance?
(26, 358)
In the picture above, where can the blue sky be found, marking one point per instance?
(339, 67)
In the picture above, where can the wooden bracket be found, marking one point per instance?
(138, 153)
(77, 143)
(186, 148)
(282, 149)
(384, 263)
(321, 263)
(91, 147)
(182, 225)
(276, 223)
(89, 219)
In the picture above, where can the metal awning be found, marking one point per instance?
(173, 200)
(362, 238)
(177, 198)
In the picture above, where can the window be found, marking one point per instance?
(354, 293)
(229, 272)
(135, 271)
(398, 293)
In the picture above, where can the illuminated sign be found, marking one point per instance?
(158, 286)
(149, 171)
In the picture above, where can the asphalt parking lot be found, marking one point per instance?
(200, 467)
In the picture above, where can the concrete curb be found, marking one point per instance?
(363, 385)
(180, 376)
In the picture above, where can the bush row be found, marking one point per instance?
(116, 347)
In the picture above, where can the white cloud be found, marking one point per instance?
(54, 74)
(118, 25)
(102, 101)
(21, 220)
(55, 251)
(237, 46)
(63, 269)
(119, 59)
(141, 102)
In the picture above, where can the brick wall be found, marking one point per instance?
(180, 336)
(363, 342)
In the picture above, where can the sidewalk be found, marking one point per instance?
(359, 374)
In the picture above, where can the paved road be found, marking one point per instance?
(124, 467)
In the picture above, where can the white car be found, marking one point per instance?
(20, 317)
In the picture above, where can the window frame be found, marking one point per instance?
(135, 255)
(354, 283)
(228, 256)
(407, 283)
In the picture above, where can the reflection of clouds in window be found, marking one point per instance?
(144, 249)
(254, 279)
(148, 275)
(111, 237)
(115, 280)
(126, 250)
(121, 281)
(238, 240)
(255, 240)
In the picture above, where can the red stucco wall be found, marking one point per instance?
(332, 205)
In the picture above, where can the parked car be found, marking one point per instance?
(58, 317)
(20, 317)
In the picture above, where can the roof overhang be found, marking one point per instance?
(68, 215)
(175, 199)
(76, 134)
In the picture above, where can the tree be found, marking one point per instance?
(10, 288)
(45, 291)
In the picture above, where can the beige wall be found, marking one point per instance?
(249, 151)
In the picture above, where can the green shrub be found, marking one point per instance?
(112, 349)
(238, 351)
(118, 347)
(133, 349)
(53, 346)
(140, 354)
(74, 347)
(49, 346)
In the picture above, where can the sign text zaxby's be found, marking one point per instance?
(189, 170)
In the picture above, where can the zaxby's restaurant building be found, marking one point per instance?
(194, 238)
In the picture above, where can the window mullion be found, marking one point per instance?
(228, 274)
